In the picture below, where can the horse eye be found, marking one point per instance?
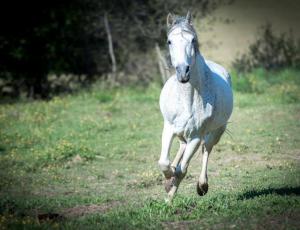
(169, 42)
(193, 40)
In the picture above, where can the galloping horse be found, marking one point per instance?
(196, 104)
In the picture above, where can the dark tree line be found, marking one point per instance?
(38, 38)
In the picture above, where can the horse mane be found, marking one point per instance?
(179, 21)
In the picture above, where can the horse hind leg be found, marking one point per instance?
(210, 140)
(179, 154)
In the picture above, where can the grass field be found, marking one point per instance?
(89, 161)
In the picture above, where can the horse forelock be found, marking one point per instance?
(181, 22)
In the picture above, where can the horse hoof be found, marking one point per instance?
(169, 184)
(202, 189)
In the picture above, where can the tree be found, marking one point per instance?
(38, 38)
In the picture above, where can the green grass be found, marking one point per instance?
(282, 85)
(90, 161)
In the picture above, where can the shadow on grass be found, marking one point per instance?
(279, 191)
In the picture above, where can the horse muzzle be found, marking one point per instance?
(183, 73)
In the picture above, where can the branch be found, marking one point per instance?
(110, 45)
(163, 67)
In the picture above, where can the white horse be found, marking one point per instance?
(196, 104)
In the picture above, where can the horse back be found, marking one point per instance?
(221, 87)
(219, 70)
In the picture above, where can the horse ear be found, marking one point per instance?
(170, 20)
(188, 17)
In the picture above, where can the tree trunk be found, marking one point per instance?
(110, 48)
(162, 63)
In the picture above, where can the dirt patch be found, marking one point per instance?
(179, 225)
(82, 210)
(240, 158)
(49, 217)
(295, 155)
(237, 159)
(281, 221)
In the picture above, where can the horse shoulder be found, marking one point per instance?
(219, 70)
(167, 97)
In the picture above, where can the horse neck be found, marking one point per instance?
(197, 78)
(195, 86)
(198, 73)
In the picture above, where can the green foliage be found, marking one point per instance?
(281, 85)
(65, 150)
(270, 52)
(104, 97)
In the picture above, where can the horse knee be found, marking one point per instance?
(165, 168)
(164, 165)
(180, 172)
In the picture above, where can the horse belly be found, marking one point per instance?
(223, 109)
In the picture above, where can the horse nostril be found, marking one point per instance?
(187, 69)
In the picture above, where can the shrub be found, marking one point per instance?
(252, 82)
(270, 52)
(282, 85)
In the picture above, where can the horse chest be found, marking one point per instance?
(185, 126)
(189, 119)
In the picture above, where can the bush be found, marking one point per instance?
(270, 52)
(252, 82)
(282, 85)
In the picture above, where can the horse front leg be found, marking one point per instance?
(169, 182)
(180, 172)
(164, 162)
(179, 154)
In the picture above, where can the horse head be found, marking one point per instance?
(183, 45)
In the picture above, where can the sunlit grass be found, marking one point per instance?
(100, 147)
